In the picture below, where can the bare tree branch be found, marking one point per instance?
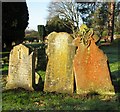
(66, 10)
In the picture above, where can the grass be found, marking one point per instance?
(4, 68)
(42, 74)
(20, 99)
(3, 53)
(112, 52)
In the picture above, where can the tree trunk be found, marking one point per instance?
(111, 6)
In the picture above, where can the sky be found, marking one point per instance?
(37, 13)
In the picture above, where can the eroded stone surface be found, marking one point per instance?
(59, 72)
(21, 69)
(91, 69)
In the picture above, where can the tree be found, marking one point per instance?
(41, 31)
(14, 22)
(75, 12)
(67, 11)
(111, 9)
(100, 16)
(58, 25)
(85, 9)
(98, 20)
(117, 18)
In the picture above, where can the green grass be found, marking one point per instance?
(112, 52)
(20, 99)
(4, 53)
(115, 66)
(42, 74)
(4, 68)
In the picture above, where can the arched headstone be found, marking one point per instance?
(59, 73)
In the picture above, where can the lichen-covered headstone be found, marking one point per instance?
(59, 73)
(21, 69)
(90, 66)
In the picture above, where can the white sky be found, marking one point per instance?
(37, 12)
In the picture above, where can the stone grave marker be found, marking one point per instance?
(21, 69)
(90, 66)
(59, 73)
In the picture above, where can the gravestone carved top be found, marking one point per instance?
(90, 65)
(59, 72)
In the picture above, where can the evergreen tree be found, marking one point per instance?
(14, 22)
(99, 19)
(58, 25)
(42, 32)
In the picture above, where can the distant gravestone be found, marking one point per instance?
(21, 69)
(59, 73)
(90, 67)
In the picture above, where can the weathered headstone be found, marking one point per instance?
(90, 67)
(21, 69)
(59, 73)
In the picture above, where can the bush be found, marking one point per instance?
(104, 33)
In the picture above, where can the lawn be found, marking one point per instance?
(20, 99)
(25, 100)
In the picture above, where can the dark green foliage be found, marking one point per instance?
(57, 24)
(41, 31)
(14, 22)
(99, 19)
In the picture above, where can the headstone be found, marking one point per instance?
(91, 67)
(21, 69)
(59, 73)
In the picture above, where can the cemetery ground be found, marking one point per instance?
(20, 99)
